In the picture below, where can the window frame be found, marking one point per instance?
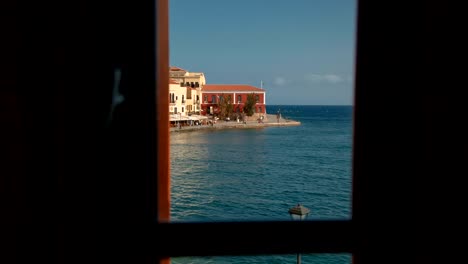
(66, 201)
(329, 236)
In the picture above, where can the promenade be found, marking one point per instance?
(270, 120)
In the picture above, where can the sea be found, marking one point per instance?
(259, 173)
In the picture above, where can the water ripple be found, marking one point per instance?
(249, 175)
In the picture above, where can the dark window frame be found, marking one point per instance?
(329, 236)
(67, 201)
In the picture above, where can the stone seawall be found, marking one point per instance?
(268, 121)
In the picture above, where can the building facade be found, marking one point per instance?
(193, 82)
(211, 95)
(177, 98)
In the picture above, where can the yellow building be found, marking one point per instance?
(177, 99)
(193, 83)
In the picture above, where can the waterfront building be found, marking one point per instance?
(177, 98)
(193, 82)
(211, 94)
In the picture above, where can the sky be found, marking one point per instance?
(302, 50)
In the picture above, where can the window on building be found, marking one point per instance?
(239, 99)
(257, 98)
(189, 93)
(213, 99)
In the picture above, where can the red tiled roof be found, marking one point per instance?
(173, 68)
(172, 81)
(231, 87)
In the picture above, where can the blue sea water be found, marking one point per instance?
(258, 174)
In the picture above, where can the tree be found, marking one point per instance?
(249, 105)
(225, 106)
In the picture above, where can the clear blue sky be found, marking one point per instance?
(303, 50)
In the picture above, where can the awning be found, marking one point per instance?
(198, 117)
(178, 118)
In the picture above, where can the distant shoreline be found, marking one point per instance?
(269, 121)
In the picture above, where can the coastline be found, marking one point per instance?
(269, 121)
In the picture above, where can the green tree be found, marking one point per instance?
(249, 106)
(225, 106)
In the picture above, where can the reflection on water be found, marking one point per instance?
(258, 174)
(247, 175)
(305, 258)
